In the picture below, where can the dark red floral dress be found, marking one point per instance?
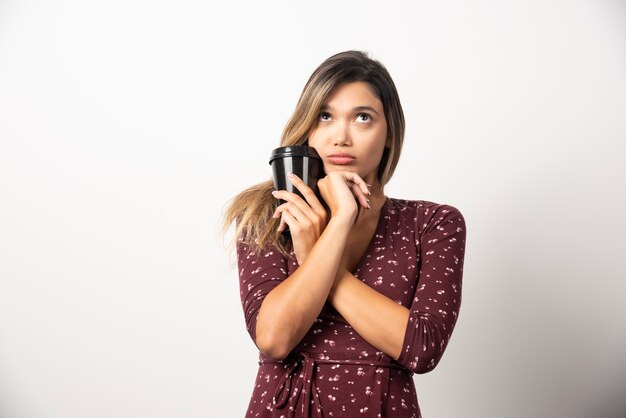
(416, 259)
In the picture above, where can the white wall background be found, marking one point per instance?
(125, 126)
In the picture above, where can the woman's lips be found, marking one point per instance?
(341, 159)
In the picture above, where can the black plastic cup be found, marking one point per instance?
(303, 161)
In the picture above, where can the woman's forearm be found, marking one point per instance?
(289, 310)
(378, 319)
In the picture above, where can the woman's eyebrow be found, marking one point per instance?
(362, 108)
(356, 109)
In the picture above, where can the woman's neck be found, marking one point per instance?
(377, 201)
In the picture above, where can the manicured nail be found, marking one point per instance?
(290, 175)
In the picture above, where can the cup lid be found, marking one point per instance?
(294, 151)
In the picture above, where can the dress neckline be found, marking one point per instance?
(378, 231)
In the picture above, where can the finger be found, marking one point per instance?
(358, 194)
(300, 204)
(282, 225)
(288, 197)
(288, 219)
(356, 179)
(293, 210)
(306, 191)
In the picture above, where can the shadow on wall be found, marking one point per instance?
(613, 406)
(561, 268)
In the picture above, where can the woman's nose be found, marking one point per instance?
(341, 136)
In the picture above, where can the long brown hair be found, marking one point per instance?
(252, 209)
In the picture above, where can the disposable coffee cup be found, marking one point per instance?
(303, 161)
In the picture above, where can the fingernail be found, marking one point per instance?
(290, 175)
(274, 192)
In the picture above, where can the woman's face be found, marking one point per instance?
(352, 131)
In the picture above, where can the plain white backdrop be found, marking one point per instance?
(126, 126)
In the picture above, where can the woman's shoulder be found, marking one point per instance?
(423, 206)
(428, 215)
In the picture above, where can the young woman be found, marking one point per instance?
(365, 290)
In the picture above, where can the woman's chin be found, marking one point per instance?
(333, 167)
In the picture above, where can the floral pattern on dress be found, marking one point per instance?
(416, 259)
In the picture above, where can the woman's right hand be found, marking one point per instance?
(343, 191)
(306, 219)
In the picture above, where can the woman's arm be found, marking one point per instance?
(378, 319)
(289, 310)
(416, 337)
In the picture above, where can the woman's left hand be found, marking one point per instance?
(306, 218)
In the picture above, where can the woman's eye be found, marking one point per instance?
(363, 117)
(324, 116)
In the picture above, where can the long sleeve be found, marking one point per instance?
(259, 273)
(437, 300)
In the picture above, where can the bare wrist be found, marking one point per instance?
(343, 219)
